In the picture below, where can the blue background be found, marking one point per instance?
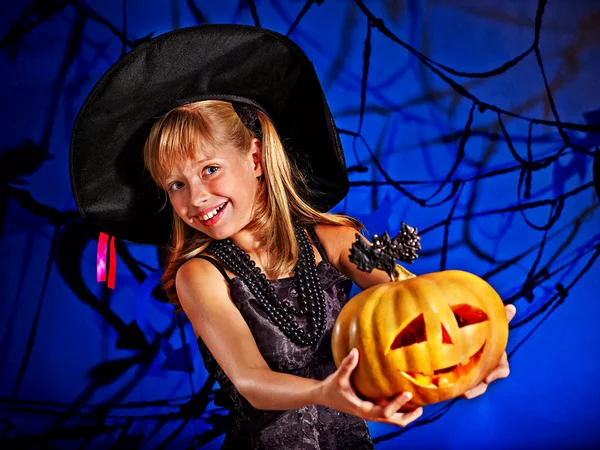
(418, 97)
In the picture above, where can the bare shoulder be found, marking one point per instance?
(336, 232)
(337, 241)
(198, 282)
(200, 272)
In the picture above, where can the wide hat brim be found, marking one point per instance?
(229, 62)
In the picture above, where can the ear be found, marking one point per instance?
(256, 154)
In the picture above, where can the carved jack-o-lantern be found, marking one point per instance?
(435, 335)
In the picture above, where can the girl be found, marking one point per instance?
(254, 262)
(224, 183)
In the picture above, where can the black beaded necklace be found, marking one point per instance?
(311, 303)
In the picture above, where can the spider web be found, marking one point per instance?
(434, 180)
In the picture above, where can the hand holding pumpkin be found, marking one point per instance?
(435, 336)
(337, 392)
(501, 371)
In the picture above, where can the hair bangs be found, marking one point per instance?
(180, 136)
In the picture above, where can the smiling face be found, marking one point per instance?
(208, 162)
(215, 192)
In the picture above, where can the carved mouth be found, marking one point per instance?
(445, 378)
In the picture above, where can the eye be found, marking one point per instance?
(468, 315)
(175, 186)
(413, 333)
(209, 170)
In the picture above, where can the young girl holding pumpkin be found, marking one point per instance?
(234, 128)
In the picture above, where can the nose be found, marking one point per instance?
(199, 195)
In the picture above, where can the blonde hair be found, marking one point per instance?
(279, 201)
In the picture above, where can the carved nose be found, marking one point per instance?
(446, 339)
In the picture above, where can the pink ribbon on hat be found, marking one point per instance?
(103, 249)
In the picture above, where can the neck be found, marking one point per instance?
(251, 242)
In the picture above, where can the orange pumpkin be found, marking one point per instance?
(435, 335)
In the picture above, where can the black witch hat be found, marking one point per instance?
(235, 63)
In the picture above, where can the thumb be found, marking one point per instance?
(511, 310)
(349, 362)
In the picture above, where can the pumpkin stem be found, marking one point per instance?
(384, 252)
(401, 274)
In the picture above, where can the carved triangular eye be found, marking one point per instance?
(468, 315)
(413, 333)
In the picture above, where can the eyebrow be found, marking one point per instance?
(202, 161)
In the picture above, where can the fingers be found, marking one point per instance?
(476, 391)
(403, 419)
(502, 371)
(392, 407)
(388, 412)
(338, 389)
(510, 310)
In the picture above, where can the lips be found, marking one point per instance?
(445, 378)
(214, 219)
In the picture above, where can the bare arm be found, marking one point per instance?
(205, 298)
(337, 241)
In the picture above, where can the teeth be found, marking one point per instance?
(212, 213)
(422, 378)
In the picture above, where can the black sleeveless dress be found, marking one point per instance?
(310, 427)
